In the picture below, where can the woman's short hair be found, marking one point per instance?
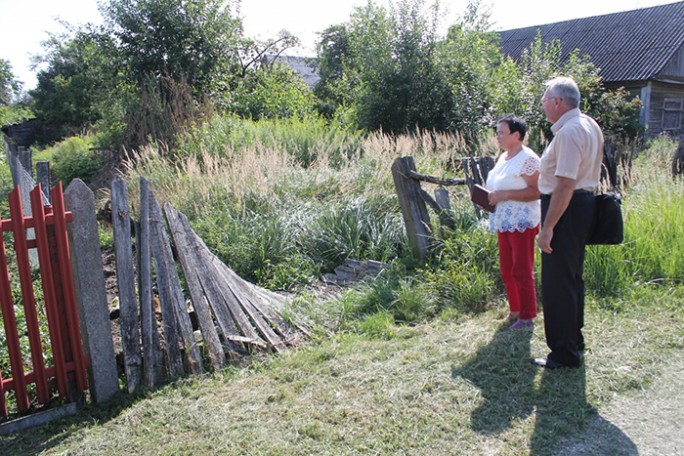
(515, 124)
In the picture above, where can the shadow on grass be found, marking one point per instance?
(567, 425)
(501, 371)
(39, 439)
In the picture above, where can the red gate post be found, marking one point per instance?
(19, 227)
(51, 304)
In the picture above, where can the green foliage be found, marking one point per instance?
(306, 139)
(73, 158)
(10, 87)
(192, 41)
(360, 229)
(273, 92)
(652, 250)
(72, 91)
(466, 275)
(12, 109)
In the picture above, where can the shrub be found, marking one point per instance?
(73, 158)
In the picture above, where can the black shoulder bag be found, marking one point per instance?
(608, 226)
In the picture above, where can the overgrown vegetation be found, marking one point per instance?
(285, 185)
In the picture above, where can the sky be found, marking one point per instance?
(24, 24)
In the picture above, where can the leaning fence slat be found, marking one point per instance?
(222, 300)
(260, 300)
(191, 271)
(49, 294)
(175, 318)
(11, 333)
(148, 324)
(129, 315)
(232, 301)
(29, 301)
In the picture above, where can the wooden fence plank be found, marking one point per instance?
(148, 322)
(185, 246)
(129, 314)
(175, 318)
(229, 298)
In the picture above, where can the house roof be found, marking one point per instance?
(629, 46)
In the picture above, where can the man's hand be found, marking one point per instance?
(544, 240)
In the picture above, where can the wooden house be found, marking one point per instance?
(641, 50)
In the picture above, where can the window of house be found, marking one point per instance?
(673, 109)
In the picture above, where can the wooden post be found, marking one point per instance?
(125, 278)
(43, 176)
(413, 207)
(446, 218)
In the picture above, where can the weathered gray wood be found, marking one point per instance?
(91, 297)
(244, 298)
(43, 177)
(413, 209)
(446, 217)
(185, 247)
(148, 323)
(265, 302)
(175, 318)
(436, 180)
(232, 303)
(129, 313)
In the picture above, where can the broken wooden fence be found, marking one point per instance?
(414, 200)
(234, 316)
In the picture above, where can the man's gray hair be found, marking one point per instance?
(565, 88)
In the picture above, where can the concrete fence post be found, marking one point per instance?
(91, 298)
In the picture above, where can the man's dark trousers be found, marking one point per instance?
(562, 278)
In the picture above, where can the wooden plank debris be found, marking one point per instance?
(192, 271)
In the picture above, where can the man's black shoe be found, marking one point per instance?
(548, 363)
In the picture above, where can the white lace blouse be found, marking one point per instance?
(507, 175)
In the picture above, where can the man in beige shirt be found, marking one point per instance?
(569, 174)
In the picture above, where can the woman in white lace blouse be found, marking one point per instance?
(513, 186)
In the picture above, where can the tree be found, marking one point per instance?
(382, 63)
(193, 40)
(71, 93)
(12, 108)
(10, 87)
(471, 60)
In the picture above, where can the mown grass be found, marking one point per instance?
(443, 387)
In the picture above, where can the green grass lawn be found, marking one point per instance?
(444, 387)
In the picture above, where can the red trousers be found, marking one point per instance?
(516, 260)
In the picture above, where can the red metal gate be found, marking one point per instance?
(66, 374)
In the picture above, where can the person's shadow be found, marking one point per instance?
(566, 424)
(502, 373)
